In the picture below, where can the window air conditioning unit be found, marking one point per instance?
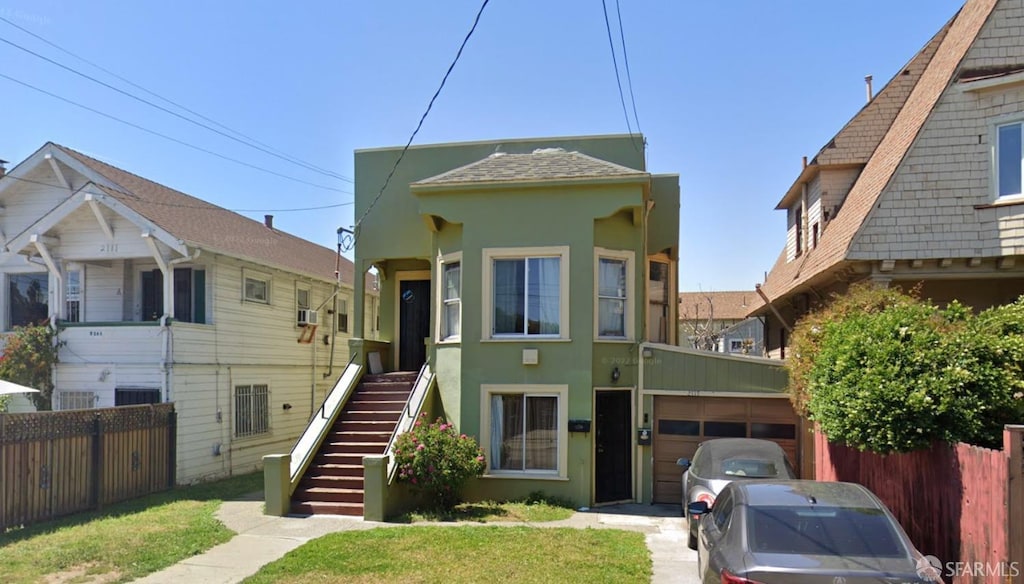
(308, 317)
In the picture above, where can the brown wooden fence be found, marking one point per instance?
(58, 463)
(959, 503)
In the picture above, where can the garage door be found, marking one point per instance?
(682, 423)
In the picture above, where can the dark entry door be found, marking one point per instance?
(413, 324)
(613, 462)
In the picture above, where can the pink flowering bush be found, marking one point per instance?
(437, 461)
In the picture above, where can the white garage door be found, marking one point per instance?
(682, 423)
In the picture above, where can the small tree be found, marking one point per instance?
(28, 359)
(437, 461)
(883, 371)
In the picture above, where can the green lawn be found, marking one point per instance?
(124, 541)
(466, 554)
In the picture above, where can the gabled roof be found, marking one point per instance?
(858, 139)
(728, 305)
(546, 164)
(207, 226)
(835, 240)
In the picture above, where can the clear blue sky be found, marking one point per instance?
(729, 94)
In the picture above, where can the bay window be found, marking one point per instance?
(527, 292)
(614, 288)
(451, 298)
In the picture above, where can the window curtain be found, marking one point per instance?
(509, 282)
(452, 293)
(541, 433)
(507, 432)
(544, 295)
(611, 291)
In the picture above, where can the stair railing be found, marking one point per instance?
(413, 407)
(320, 424)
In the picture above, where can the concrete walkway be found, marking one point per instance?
(261, 539)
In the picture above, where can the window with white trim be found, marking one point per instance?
(252, 410)
(301, 305)
(73, 295)
(256, 288)
(524, 430)
(27, 299)
(1010, 160)
(613, 283)
(527, 292)
(343, 315)
(450, 298)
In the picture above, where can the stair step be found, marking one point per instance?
(372, 426)
(369, 416)
(359, 405)
(385, 385)
(380, 396)
(321, 508)
(339, 459)
(353, 447)
(402, 376)
(329, 469)
(337, 436)
(325, 481)
(328, 495)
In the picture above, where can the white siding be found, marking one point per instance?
(104, 292)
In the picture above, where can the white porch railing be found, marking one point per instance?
(413, 407)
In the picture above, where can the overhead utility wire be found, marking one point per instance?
(172, 139)
(625, 58)
(615, 62)
(418, 126)
(183, 206)
(286, 158)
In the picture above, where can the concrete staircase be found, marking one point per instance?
(333, 482)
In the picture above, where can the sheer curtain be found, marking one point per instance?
(544, 295)
(509, 282)
(452, 299)
(541, 433)
(611, 292)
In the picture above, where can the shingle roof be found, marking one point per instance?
(728, 305)
(214, 228)
(837, 237)
(540, 165)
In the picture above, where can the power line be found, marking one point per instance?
(183, 206)
(615, 62)
(250, 143)
(172, 139)
(418, 126)
(625, 58)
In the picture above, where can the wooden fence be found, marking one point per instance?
(959, 503)
(58, 463)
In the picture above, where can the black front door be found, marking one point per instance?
(413, 323)
(613, 462)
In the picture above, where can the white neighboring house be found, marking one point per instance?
(160, 296)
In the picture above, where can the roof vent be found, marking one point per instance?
(870, 91)
(549, 151)
(496, 154)
(268, 220)
(3, 169)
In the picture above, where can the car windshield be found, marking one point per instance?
(745, 467)
(825, 531)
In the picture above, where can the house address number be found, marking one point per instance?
(95, 333)
(108, 247)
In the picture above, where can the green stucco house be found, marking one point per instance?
(528, 294)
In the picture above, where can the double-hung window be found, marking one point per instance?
(614, 286)
(252, 410)
(27, 299)
(525, 431)
(1009, 160)
(527, 292)
(451, 298)
(255, 287)
(73, 295)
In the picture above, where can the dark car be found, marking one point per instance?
(718, 462)
(799, 532)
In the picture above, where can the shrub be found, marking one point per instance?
(28, 359)
(883, 371)
(437, 461)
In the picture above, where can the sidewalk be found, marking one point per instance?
(261, 539)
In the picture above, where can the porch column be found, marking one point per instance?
(165, 270)
(359, 299)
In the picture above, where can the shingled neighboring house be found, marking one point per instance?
(922, 186)
(718, 321)
(159, 296)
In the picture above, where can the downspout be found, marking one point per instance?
(334, 321)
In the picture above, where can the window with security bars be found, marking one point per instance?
(252, 410)
(75, 400)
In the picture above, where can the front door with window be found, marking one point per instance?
(613, 461)
(413, 323)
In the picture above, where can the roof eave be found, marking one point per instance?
(438, 187)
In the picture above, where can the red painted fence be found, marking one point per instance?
(959, 503)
